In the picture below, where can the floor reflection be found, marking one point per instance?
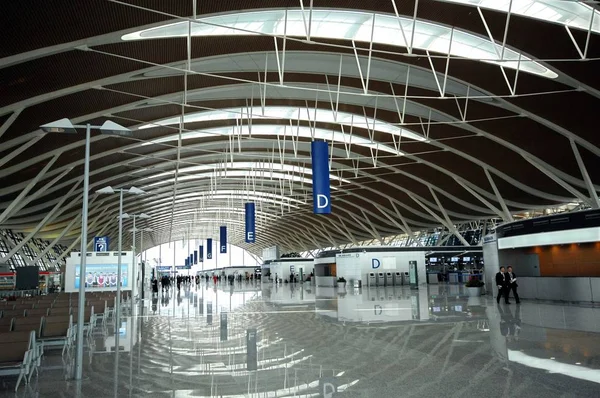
(265, 340)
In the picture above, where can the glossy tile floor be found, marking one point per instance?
(385, 342)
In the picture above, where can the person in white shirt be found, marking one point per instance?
(512, 284)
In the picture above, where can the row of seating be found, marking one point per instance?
(31, 324)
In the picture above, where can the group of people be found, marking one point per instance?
(506, 280)
(166, 281)
(186, 280)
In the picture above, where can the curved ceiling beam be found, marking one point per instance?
(489, 195)
(136, 183)
(524, 187)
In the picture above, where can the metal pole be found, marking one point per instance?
(118, 309)
(84, 220)
(134, 270)
(142, 254)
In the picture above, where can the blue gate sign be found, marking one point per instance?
(319, 151)
(101, 243)
(209, 247)
(223, 239)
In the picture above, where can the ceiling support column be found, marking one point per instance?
(586, 177)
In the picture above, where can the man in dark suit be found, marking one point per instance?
(502, 283)
(512, 284)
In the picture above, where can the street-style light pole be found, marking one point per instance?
(65, 126)
(143, 261)
(142, 216)
(109, 191)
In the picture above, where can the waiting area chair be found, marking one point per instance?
(18, 355)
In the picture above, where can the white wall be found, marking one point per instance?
(359, 265)
(99, 263)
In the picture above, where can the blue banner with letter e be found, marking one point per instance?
(319, 152)
(250, 222)
(223, 239)
(101, 243)
(209, 245)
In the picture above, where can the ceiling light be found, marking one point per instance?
(136, 191)
(59, 126)
(110, 127)
(106, 191)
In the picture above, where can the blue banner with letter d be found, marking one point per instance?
(319, 151)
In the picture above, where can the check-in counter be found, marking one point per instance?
(432, 278)
(571, 289)
(453, 277)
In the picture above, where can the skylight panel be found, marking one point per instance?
(357, 26)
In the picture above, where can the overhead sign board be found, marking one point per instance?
(101, 243)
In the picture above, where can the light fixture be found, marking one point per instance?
(59, 126)
(143, 215)
(106, 191)
(136, 191)
(110, 127)
(124, 215)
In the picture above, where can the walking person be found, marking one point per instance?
(512, 284)
(502, 282)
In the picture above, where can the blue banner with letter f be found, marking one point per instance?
(250, 222)
(223, 239)
(319, 152)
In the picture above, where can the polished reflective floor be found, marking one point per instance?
(261, 340)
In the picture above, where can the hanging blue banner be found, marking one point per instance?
(319, 152)
(223, 239)
(195, 256)
(186, 262)
(201, 254)
(250, 222)
(209, 249)
(190, 260)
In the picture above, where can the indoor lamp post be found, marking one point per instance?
(143, 262)
(66, 126)
(108, 191)
(142, 216)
